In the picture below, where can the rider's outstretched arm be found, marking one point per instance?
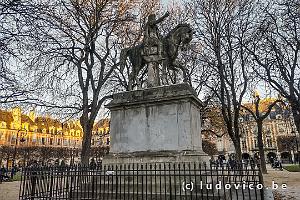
(162, 18)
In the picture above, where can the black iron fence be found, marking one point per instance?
(161, 181)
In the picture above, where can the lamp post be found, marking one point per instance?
(15, 149)
(72, 162)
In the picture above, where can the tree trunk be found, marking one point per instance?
(86, 143)
(238, 149)
(261, 147)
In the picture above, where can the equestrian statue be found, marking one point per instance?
(156, 51)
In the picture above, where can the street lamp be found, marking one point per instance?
(297, 145)
(15, 149)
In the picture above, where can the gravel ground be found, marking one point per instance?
(291, 179)
(9, 190)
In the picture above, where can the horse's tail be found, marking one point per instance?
(123, 57)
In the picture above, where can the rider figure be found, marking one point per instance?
(152, 37)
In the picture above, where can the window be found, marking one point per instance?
(269, 142)
(2, 136)
(281, 128)
(244, 144)
(33, 138)
(13, 139)
(255, 144)
(8, 138)
(25, 126)
(66, 142)
(251, 118)
(43, 141)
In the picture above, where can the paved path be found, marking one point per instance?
(9, 190)
(291, 179)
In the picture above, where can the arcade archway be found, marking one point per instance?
(286, 157)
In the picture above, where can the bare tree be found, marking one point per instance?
(209, 147)
(275, 48)
(28, 153)
(222, 29)
(14, 16)
(76, 51)
(259, 116)
(213, 122)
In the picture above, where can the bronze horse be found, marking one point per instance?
(177, 38)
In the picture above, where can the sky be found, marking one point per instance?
(165, 2)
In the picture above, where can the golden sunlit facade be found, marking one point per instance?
(277, 124)
(31, 130)
(100, 133)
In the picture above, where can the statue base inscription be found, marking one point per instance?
(160, 124)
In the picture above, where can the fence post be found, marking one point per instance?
(261, 180)
(72, 183)
(33, 178)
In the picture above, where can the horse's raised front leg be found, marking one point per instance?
(179, 65)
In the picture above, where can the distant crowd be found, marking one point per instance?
(233, 163)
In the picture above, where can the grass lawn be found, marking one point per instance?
(292, 168)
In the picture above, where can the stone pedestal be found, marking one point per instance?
(160, 124)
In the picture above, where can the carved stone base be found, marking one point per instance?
(160, 124)
(156, 157)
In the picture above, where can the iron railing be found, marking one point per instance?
(160, 181)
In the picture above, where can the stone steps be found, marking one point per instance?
(144, 196)
(137, 189)
(149, 186)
